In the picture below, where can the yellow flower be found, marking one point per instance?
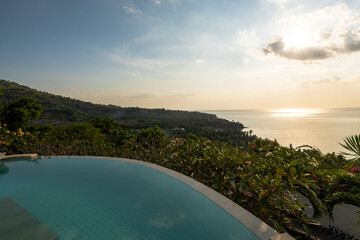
(20, 132)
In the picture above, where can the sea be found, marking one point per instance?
(319, 127)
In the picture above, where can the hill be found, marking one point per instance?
(64, 109)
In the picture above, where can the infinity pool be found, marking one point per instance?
(89, 198)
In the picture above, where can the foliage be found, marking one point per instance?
(18, 114)
(79, 131)
(151, 136)
(111, 129)
(106, 125)
(346, 189)
(234, 137)
(40, 129)
(352, 144)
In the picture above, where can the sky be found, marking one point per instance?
(186, 54)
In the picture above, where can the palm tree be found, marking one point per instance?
(352, 144)
(350, 193)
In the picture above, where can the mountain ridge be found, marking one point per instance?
(66, 109)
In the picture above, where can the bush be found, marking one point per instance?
(80, 131)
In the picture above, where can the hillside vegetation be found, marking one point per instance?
(65, 109)
(59, 110)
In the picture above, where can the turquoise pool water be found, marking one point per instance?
(87, 198)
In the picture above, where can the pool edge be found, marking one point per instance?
(30, 156)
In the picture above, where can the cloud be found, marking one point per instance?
(278, 48)
(321, 34)
(333, 81)
(352, 41)
(246, 39)
(146, 63)
(140, 98)
(280, 3)
(324, 82)
(174, 2)
(245, 60)
(198, 61)
(157, 2)
(123, 56)
(133, 10)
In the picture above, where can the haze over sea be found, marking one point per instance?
(322, 128)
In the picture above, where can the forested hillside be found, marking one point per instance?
(66, 109)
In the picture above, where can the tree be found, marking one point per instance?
(83, 131)
(151, 137)
(106, 125)
(111, 129)
(348, 194)
(18, 114)
(346, 188)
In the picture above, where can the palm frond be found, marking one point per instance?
(340, 198)
(307, 192)
(350, 181)
(308, 148)
(351, 196)
(352, 144)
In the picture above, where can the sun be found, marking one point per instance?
(299, 37)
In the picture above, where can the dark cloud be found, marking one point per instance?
(350, 42)
(325, 35)
(278, 48)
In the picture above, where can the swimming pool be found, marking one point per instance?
(100, 198)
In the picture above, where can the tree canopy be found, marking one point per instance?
(18, 114)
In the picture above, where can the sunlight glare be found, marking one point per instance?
(293, 112)
(300, 37)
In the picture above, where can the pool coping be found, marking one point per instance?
(251, 222)
(19, 156)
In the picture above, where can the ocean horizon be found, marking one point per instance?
(323, 128)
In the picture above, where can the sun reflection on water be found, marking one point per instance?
(294, 112)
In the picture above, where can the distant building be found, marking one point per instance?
(178, 129)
